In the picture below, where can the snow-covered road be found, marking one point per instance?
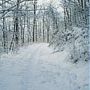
(36, 67)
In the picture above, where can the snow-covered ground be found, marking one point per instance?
(36, 67)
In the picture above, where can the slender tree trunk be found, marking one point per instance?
(43, 28)
(3, 29)
(65, 23)
(89, 26)
(17, 25)
(34, 21)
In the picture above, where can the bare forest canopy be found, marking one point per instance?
(60, 23)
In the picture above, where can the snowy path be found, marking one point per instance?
(36, 68)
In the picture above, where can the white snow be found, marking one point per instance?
(36, 67)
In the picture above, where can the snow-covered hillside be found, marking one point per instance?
(37, 67)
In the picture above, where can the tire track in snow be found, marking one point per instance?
(26, 81)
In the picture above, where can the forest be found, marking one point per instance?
(26, 21)
(44, 38)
